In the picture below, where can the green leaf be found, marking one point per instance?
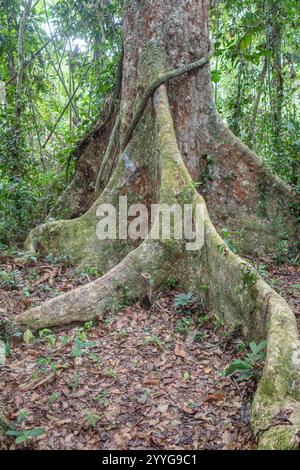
(94, 357)
(215, 76)
(186, 376)
(12, 433)
(257, 348)
(245, 42)
(36, 432)
(28, 337)
(236, 366)
(21, 438)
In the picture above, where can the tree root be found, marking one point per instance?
(234, 290)
(253, 159)
(244, 195)
(119, 285)
(88, 154)
(111, 144)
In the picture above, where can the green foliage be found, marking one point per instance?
(49, 336)
(242, 33)
(262, 270)
(186, 376)
(24, 435)
(20, 434)
(53, 398)
(80, 347)
(170, 283)
(225, 234)
(199, 336)
(185, 303)
(10, 279)
(157, 342)
(44, 365)
(102, 398)
(250, 274)
(92, 419)
(82, 38)
(250, 367)
(183, 325)
(74, 382)
(111, 373)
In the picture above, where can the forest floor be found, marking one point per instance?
(135, 380)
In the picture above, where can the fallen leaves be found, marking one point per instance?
(179, 352)
(125, 392)
(215, 397)
(38, 383)
(151, 381)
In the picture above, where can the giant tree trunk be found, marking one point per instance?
(180, 138)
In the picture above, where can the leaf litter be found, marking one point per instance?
(130, 381)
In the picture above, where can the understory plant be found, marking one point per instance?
(251, 365)
(20, 434)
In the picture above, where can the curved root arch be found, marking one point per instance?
(254, 306)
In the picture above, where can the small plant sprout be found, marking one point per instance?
(94, 357)
(156, 341)
(74, 382)
(88, 326)
(80, 345)
(170, 283)
(250, 274)
(102, 398)
(49, 335)
(53, 398)
(10, 280)
(111, 373)
(228, 240)
(23, 416)
(92, 419)
(250, 367)
(183, 325)
(199, 336)
(186, 376)
(25, 434)
(185, 303)
(122, 333)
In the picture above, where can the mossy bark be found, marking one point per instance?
(180, 138)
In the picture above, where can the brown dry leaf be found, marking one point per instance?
(37, 383)
(44, 278)
(215, 397)
(179, 351)
(151, 381)
(188, 411)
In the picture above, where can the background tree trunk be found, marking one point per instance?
(19, 84)
(10, 57)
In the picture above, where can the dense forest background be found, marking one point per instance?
(58, 67)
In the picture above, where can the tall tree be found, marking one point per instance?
(168, 136)
(19, 83)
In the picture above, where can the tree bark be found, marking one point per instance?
(10, 57)
(257, 102)
(19, 83)
(169, 137)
